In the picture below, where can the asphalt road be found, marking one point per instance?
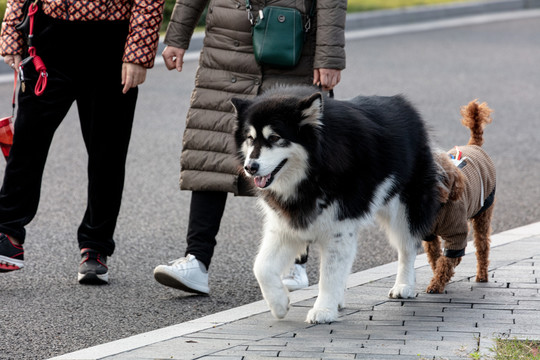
(44, 311)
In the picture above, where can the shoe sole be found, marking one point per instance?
(9, 264)
(93, 279)
(168, 280)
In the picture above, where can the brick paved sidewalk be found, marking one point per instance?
(466, 319)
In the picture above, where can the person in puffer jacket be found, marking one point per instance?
(227, 69)
(94, 54)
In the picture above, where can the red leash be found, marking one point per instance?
(41, 69)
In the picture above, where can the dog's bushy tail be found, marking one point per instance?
(475, 117)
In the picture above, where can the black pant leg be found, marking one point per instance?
(36, 121)
(106, 117)
(206, 211)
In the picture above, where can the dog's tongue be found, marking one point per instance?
(260, 181)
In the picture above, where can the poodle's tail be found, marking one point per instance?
(475, 117)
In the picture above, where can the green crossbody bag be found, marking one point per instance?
(278, 35)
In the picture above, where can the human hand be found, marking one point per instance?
(174, 57)
(326, 78)
(132, 75)
(13, 61)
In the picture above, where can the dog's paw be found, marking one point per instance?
(435, 288)
(279, 307)
(482, 276)
(402, 291)
(321, 316)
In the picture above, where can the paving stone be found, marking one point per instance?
(532, 328)
(462, 317)
(422, 343)
(273, 341)
(495, 322)
(421, 325)
(525, 335)
(431, 327)
(348, 333)
(290, 335)
(367, 348)
(318, 331)
(387, 334)
(280, 358)
(248, 352)
(501, 299)
(387, 357)
(378, 315)
(523, 285)
(304, 355)
(484, 307)
(226, 336)
(428, 352)
(423, 335)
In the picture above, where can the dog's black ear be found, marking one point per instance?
(312, 110)
(240, 105)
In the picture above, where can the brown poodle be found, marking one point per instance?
(467, 192)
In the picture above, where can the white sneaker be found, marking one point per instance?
(297, 278)
(187, 273)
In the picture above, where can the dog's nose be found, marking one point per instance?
(252, 168)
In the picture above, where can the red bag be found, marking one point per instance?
(6, 126)
(6, 135)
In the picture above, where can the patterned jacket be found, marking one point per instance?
(452, 220)
(144, 16)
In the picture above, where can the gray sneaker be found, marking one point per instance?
(93, 268)
(187, 274)
(297, 278)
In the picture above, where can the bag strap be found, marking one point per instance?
(307, 25)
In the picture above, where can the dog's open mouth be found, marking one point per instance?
(265, 181)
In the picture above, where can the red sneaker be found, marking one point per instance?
(11, 255)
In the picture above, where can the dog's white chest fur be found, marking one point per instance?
(321, 229)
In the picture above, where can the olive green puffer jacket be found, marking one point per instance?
(227, 69)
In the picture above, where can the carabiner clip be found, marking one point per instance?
(307, 26)
(250, 14)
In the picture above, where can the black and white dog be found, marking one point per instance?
(323, 169)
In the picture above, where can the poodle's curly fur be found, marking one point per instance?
(475, 116)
